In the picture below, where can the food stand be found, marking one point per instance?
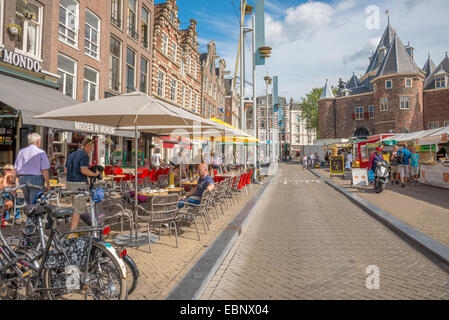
(434, 172)
(362, 149)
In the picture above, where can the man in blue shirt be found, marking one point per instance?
(205, 182)
(77, 166)
(404, 165)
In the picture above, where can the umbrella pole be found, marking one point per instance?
(135, 180)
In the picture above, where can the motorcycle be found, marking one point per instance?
(380, 176)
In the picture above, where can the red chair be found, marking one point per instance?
(166, 171)
(215, 172)
(152, 174)
(248, 179)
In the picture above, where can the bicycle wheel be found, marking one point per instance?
(103, 281)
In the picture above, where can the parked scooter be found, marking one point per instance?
(380, 176)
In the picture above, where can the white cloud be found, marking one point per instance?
(315, 41)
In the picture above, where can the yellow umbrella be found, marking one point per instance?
(241, 136)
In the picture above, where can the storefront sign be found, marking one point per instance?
(337, 165)
(359, 177)
(95, 128)
(20, 60)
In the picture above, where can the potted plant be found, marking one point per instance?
(14, 29)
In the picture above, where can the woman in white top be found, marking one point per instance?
(156, 159)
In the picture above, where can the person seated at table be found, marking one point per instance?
(175, 170)
(205, 182)
(10, 179)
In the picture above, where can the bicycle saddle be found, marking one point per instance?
(60, 213)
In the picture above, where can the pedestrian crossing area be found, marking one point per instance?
(298, 181)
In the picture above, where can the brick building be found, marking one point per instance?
(87, 50)
(212, 83)
(232, 104)
(394, 95)
(176, 70)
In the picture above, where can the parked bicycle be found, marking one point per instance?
(70, 265)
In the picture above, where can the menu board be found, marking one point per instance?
(337, 165)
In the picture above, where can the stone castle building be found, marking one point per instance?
(393, 96)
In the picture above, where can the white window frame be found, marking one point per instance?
(174, 48)
(120, 64)
(164, 40)
(372, 112)
(75, 68)
(128, 26)
(404, 102)
(433, 125)
(361, 111)
(146, 74)
(411, 82)
(191, 99)
(182, 67)
(119, 14)
(134, 68)
(196, 102)
(440, 81)
(38, 44)
(375, 87)
(98, 37)
(383, 104)
(148, 27)
(386, 84)
(97, 84)
(173, 88)
(446, 123)
(75, 31)
(161, 83)
(183, 95)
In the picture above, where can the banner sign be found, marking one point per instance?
(359, 177)
(260, 31)
(337, 165)
(19, 60)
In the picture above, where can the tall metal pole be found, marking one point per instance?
(242, 18)
(254, 96)
(266, 127)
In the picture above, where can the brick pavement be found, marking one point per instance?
(424, 207)
(310, 242)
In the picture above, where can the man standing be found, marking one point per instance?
(205, 182)
(441, 154)
(404, 166)
(77, 172)
(394, 165)
(414, 167)
(32, 167)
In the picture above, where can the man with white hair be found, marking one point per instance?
(32, 167)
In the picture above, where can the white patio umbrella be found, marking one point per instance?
(132, 109)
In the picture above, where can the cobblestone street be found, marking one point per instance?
(308, 241)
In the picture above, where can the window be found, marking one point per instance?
(132, 18)
(174, 49)
(440, 81)
(68, 22)
(92, 39)
(359, 113)
(189, 64)
(145, 29)
(210, 88)
(297, 139)
(434, 125)
(67, 73)
(375, 87)
(383, 104)
(193, 69)
(205, 84)
(404, 102)
(195, 101)
(115, 51)
(182, 67)
(371, 112)
(408, 82)
(298, 118)
(388, 84)
(29, 18)
(143, 83)
(298, 129)
(116, 13)
(160, 84)
(164, 43)
(191, 99)
(183, 96)
(446, 123)
(172, 17)
(90, 85)
(130, 70)
(173, 86)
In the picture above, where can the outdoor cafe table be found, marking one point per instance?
(152, 194)
(110, 177)
(175, 190)
(55, 185)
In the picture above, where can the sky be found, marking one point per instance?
(317, 40)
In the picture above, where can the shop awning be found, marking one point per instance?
(32, 99)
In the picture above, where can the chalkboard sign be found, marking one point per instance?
(337, 165)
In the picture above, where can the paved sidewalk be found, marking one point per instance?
(424, 207)
(310, 242)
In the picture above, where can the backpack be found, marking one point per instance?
(400, 157)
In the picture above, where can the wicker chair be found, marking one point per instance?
(164, 210)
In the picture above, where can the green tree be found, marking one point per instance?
(309, 108)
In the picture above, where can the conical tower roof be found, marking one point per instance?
(354, 82)
(397, 60)
(429, 67)
(385, 42)
(327, 92)
(443, 68)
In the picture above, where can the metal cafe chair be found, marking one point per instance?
(191, 212)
